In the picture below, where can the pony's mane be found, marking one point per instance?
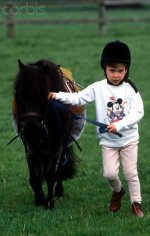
(54, 74)
(35, 80)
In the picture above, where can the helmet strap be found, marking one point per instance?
(110, 83)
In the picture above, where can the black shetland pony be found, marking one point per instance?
(44, 129)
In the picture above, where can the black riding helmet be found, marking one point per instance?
(116, 52)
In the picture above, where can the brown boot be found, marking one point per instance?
(115, 202)
(136, 209)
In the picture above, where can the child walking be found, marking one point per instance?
(119, 105)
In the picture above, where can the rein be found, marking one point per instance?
(17, 136)
(102, 127)
(55, 105)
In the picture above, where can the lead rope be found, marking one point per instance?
(102, 127)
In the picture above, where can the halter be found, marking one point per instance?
(36, 115)
(26, 115)
(33, 114)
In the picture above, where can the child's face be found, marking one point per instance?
(115, 73)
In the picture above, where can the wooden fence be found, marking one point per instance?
(103, 4)
(102, 19)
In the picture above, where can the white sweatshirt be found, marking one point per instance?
(120, 105)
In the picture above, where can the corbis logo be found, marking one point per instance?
(26, 9)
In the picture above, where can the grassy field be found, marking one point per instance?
(84, 209)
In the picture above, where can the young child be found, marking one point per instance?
(119, 105)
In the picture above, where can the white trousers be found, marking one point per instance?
(127, 157)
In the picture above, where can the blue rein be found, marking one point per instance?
(102, 127)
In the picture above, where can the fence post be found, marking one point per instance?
(10, 20)
(102, 17)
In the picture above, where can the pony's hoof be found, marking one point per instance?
(39, 199)
(39, 202)
(50, 205)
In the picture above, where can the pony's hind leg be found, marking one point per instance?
(59, 190)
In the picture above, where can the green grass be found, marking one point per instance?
(84, 209)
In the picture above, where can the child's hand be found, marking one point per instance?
(112, 128)
(52, 95)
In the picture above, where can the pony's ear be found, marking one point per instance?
(21, 65)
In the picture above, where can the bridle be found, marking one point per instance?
(33, 114)
(23, 119)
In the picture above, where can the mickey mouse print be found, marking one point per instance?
(115, 109)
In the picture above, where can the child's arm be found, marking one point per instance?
(78, 98)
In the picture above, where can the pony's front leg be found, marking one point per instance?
(35, 180)
(36, 184)
(50, 196)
